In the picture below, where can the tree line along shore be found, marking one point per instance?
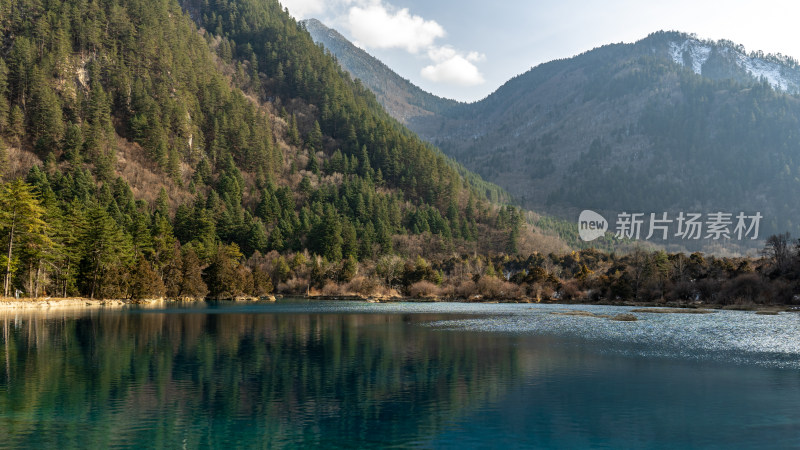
(243, 162)
(640, 278)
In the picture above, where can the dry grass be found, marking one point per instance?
(19, 162)
(145, 179)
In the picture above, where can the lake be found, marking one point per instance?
(427, 375)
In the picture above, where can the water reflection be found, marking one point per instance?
(352, 375)
(161, 378)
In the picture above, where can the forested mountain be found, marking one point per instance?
(152, 146)
(667, 124)
(401, 98)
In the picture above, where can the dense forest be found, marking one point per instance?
(144, 155)
(211, 149)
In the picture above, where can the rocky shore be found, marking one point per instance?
(60, 303)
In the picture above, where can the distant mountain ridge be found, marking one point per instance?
(401, 98)
(669, 123)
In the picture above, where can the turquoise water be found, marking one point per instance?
(356, 375)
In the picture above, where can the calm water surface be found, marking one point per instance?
(356, 375)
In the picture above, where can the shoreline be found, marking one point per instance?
(78, 303)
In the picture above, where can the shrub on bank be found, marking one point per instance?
(423, 289)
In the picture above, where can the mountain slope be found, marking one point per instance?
(160, 150)
(667, 124)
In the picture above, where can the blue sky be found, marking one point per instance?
(466, 49)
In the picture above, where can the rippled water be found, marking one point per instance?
(355, 375)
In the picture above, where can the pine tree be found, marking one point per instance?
(293, 135)
(173, 272)
(349, 239)
(276, 240)
(145, 283)
(3, 158)
(364, 166)
(73, 143)
(262, 284)
(349, 269)
(330, 235)
(222, 276)
(20, 219)
(16, 124)
(163, 242)
(313, 163)
(315, 138)
(162, 203)
(106, 248)
(282, 270)
(4, 105)
(192, 284)
(46, 118)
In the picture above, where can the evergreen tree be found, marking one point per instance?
(46, 119)
(173, 273)
(162, 203)
(20, 220)
(73, 143)
(293, 135)
(349, 268)
(262, 284)
(313, 163)
(4, 105)
(282, 270)
(315, 138)
(329, 235)
(3, 157)
(192, 284)
(222, 276)
(107, 251)
(145, 283)
(349, 239)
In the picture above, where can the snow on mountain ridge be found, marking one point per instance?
(760, 68)
(696, 53)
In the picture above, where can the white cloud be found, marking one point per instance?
(453, 68)
(476, 57)
(375, 26)
(305, 9)
(441, 54)
(378, 24)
